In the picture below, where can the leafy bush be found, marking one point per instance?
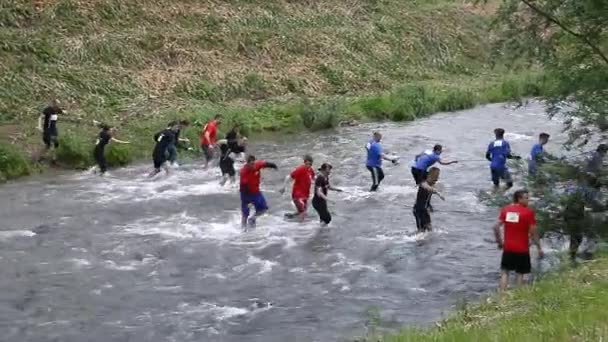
(455, 99)
(118, 154)
(74, 151)
(320, 117)
(12, 163)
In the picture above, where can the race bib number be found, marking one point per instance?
(97, 142)
(160, 137)
(498, 143)
(512, 217)
(54, 117)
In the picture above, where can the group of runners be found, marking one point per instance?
(517, 218)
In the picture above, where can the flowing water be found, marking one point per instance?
(124, 258)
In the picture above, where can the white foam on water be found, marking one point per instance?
(219, 313)
(352, 265)
(265, 265)
(81, 262)
(418, 289)
(9, 234)
(516, 136)
(397, 239)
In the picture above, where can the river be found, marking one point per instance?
(123, 258)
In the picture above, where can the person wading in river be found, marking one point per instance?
(177, 141)
(537, 154)
(423, 198)
(519, 224)
(159, 155)
(228, 153)
(106, 135)
(426, 159)
(319, 200)
(374, 160)
(302, 177)
(250, 190)
(497, 154)
(208, 137)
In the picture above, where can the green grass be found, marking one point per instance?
(569, 305)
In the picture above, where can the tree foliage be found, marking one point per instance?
(569, 39)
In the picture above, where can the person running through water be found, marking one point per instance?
(426, 159)
(497, 154)
(320, 199)
(47, 124)
(177, 142)
(106, 135)
(537, 154)
(374, 160)
(234, 140)
(163, 139)
(227, 158)
(302, 177)
(250, 190)
(519, 224)
(423, 199)
(208, 138)
(595, 163)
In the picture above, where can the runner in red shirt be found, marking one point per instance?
(250, 189)
(208, 138)
(302, 177)
(519, 224)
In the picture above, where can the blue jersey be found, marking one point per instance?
(499, 150)
(374, 154)
(537, 152)
(426, 159)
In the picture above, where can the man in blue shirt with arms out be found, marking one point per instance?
(498, 152)
(374, 160)
(425, 160)
(537, 155)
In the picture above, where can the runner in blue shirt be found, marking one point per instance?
(374, 160)
(425, 160)
(498, 152)
(537, 155)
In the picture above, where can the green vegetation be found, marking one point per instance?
(564, 306)
(271, 65)
(12, 163)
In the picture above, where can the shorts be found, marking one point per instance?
(518, 262)
(49, 139)
(320, 206)
(423, 219)
(498, 174)
(419, 175)
(159, 160)
(207, 152)
(227, 167)
(258, 201)
(100, 158)
(300, 203)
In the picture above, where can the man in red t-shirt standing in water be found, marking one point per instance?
(209, 137)
(519, 224)
(302, 176)
(250, 190)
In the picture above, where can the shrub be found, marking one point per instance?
(12, 163)
(320, 117)
(455, 99)
(118, 154)
(376, 107)
(74, 151)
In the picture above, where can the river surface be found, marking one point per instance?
(124, 258)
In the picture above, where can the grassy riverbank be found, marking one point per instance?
(273, 65)
(569, 305)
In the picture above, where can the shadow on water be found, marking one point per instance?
(128, 259)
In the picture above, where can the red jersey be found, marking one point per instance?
(517, 220)
(211, 128)
(303, 177)
(250, 177)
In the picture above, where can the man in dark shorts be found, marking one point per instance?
(159, 155)
(208, 138)
(375, 155)
(319, 200)
(227, 155)
(423, 198)
(519, 224)
(47, 124)
(497, 154)
(106, 135)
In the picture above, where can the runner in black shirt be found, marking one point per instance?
(106, 135)
(47, 124)
(319, 201)
(423, 198)
(159, 155)
(228, 152)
